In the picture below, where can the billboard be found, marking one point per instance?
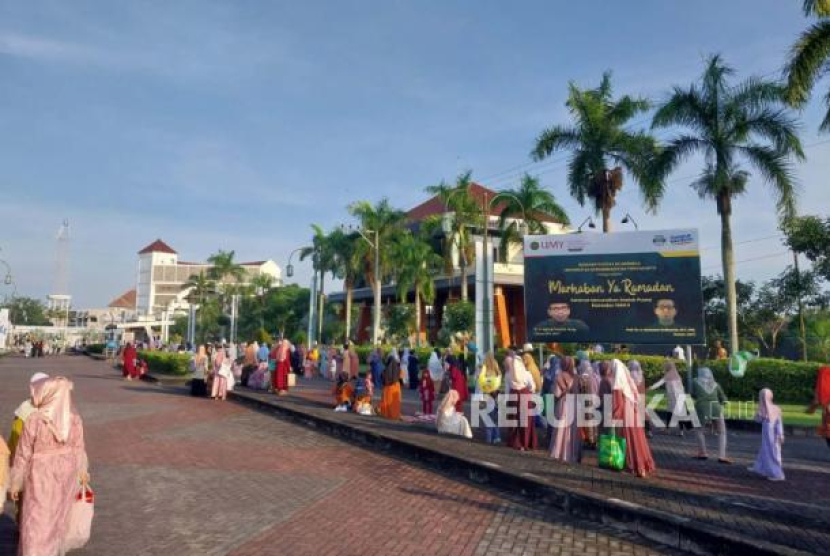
(624, 287)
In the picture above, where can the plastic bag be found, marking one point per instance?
(79, 520)
(611, 452)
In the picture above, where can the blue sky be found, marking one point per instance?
(235, 125)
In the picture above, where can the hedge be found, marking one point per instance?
(791, 381)
(95, 348)
(166, 363)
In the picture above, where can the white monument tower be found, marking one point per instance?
(60, 300)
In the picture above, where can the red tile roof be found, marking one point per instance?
(158, 246)
(482, 194)
(124, 301)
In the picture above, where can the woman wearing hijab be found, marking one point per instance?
(129, 368)
(376, 366)
(281, 354)
(489, 384)
(709, 399)
(822, 400)
(636, 373)
(49, 463)
(405, 366)
(219, 388)
(413, 366)
(450, 421)
(436, 367)
(322, 361)
(566, 443)
(390, 402)
(589, 386)
(520, 382)
(628, 409)
(675, 393)
(198, 386)
(768, 463)
(458, 382)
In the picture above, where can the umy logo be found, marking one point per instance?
(548, 244)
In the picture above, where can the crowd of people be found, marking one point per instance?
(49, 468)
(377, 390)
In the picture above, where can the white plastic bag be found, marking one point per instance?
(79, 520)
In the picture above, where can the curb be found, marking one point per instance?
(657, 526)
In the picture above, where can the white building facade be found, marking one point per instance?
(161, 279)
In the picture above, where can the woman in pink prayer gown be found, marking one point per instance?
(219, 388)
(566, 442)
(49, 465)
(628, 407)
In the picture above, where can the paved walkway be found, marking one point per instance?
(181, 476)
(791, 513)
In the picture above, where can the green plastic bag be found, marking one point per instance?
(611, 452)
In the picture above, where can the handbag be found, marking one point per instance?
(611, 450)
(79, 520)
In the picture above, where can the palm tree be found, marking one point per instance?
(223, 266)
(745, 121)
(202, 287)
(467, 215)
(416, 265)
(598, 140)
(349, 252)
(322, 260)
(381, 223)
(810, 59)
(261, 284)
(531, 203)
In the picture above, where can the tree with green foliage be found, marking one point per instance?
(224, 266)
(602, 148)
(26, 311)
(728, 123)
(202, 288)
(400, 321)
(466, 216)
(416, 265)
(350, 251)
(810, 236)
(323, 261)
(379, 224)
(531, 204)
(810, 58)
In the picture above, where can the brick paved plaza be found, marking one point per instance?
(177, 476)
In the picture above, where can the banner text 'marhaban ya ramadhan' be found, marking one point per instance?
(628, 287)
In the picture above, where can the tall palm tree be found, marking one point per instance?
(531, 203)
(202, 287)
(810, 59)
(349, 252)
(601, 148)
(466, 216)
(322, 260)
(381, 222)
(746, 121)
(416, 265)
(223, 266)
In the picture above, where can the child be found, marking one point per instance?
(426, 389)
(363, 390)
(342, 393)
(768, 462)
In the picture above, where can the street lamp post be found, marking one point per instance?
(312, 294)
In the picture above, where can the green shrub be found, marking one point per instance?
(166, 363)
(95, 348)
(790, 381)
